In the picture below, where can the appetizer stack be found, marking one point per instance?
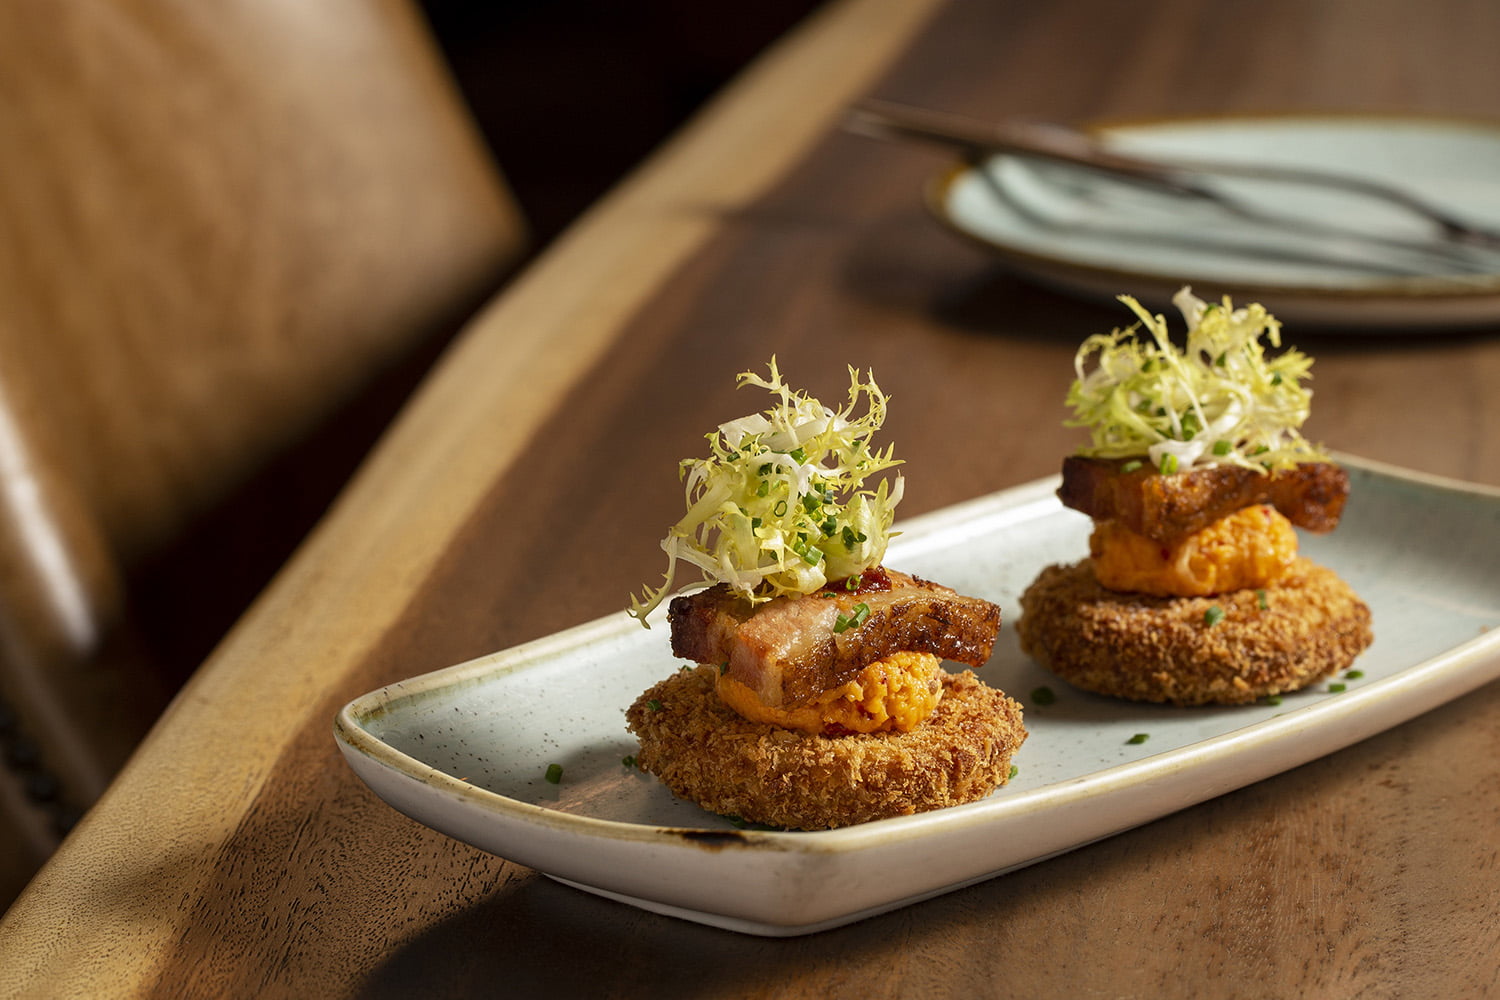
(819, 698)
(1194, 592)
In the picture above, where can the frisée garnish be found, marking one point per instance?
(1220, 400)
(783, 504)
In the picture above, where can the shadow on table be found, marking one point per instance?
(904, 263)
(540, 938)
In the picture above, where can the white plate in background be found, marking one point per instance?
(1093, 235)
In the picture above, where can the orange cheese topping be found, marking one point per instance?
(898, 692)
(1249, 548)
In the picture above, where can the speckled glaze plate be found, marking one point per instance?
(466, 750)
(1092, 235)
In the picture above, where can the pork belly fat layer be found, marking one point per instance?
(1169, 508)
(787, 650)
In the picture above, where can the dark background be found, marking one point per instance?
(571, 94)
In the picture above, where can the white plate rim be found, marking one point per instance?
(1395, 303)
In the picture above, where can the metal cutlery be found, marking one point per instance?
(1455, 242)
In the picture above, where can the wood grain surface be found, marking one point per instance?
(525, 488)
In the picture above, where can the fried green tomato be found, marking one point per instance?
(1227, 649)
(707, 753)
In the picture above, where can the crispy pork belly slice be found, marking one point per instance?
(1169, 508)
(788, 650)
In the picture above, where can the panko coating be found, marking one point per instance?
(1306, 625)
(708, 754)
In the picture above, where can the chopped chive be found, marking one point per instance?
(1213, 616)
(628, 760)
(1131, 465)
(1355, 675)
(1274, 699)
(1014, 770)
(1337, 688)
(1138, 738)
(810, 555)
(1168, 464)
(854, 619)
(654, 705)
(554, 773)
(1222, 447)
(1276, 379)
(1260, 598)
(1043, 696)
(852, 583)
(724, 668)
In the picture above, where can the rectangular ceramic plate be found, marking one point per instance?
(465, 750)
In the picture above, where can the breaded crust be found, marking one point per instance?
(707, 753)
(1162, 649)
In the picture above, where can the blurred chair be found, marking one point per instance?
(232, 234)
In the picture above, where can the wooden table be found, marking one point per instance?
(524, 491)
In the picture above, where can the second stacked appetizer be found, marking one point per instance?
(1194, 592)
